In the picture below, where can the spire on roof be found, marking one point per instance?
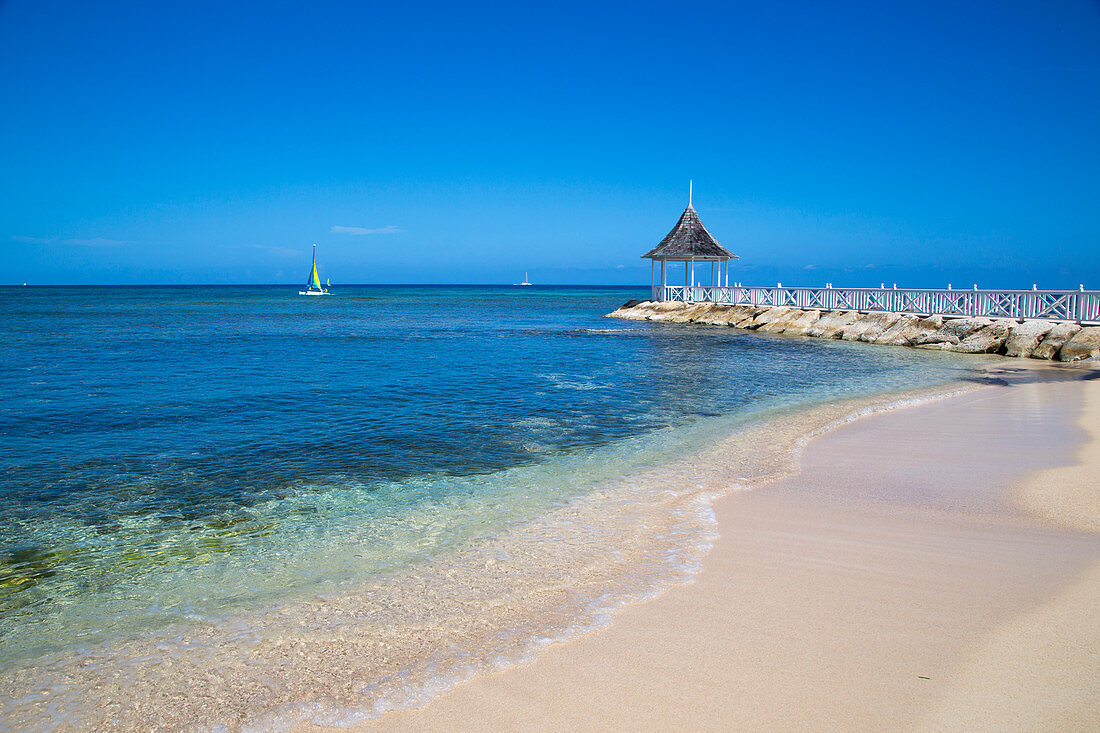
(689, 240)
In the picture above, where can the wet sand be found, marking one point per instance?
(932, 568)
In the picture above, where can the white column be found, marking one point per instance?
(727, 273)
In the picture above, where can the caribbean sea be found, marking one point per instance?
(185, 469)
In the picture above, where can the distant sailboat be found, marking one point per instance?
(313, 283)
(525, 282)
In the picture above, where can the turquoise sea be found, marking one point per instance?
(179, 458)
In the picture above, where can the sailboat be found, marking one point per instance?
(525, 280)
(313, 283)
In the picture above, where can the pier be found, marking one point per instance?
(690, 244)
(1078, 306)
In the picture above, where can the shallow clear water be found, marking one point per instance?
(173, 454)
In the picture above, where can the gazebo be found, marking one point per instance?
(688, 242)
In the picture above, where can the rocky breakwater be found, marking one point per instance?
(1034, 339)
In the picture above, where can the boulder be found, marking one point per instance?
(669, 311)
(1085, 344)
(877, 324)
(719, 313)
(908, 329)
(631, 312)
(961, 328)
(706, 313)
(937, 339)
(783, 322)
(1024, 337)
(852, 331)
(894, 335)
(951, 333)
(800, 325)
(987, 340)
(742, 315)
(768, 315)
(870, 324)
(746, 322)
(1054, 340)
(831, 323)
(692, 311)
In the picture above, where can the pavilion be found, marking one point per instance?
(688, 242)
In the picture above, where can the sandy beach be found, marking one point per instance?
(935, 567)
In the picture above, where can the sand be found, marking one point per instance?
(931, 568)
(1070, 495)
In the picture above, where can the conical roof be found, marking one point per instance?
(689, 240)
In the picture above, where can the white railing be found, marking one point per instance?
(1081, 306)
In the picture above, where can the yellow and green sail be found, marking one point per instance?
(314, 282)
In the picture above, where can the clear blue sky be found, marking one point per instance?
(851, 142)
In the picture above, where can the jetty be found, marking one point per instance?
(1042, 324)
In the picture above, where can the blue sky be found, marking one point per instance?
(214, 142)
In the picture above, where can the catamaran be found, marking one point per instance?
(525, 280)
(313, 283)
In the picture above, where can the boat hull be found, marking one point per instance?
(313, 292)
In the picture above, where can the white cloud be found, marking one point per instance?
(357, 231)
(96, 242)
(93, 242)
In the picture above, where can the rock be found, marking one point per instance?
(1085, 344)
(800, 325)
(746, 314)
(722, 315)
(935, 340)
(1024, 337)
(908, 329)
(830, 324)
(961, 328)
(878, 324)
(769, 315)
(1034, 338)
(739, 313)
(870, 325)
(1054, 340)
(951, 333)
(782, 322)
(633, 312)
(894, 335)
(700, 312)
(668, 311)
(987, 340)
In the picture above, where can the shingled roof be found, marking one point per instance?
(689, 240)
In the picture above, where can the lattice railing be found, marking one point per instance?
(1082, 306)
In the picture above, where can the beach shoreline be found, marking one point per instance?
(614, 559)
(881, 607)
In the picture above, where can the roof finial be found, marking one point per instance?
(690, 182)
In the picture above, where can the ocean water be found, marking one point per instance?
(201, 470)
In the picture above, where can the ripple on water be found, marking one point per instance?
(361, 647)
(184, 472)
